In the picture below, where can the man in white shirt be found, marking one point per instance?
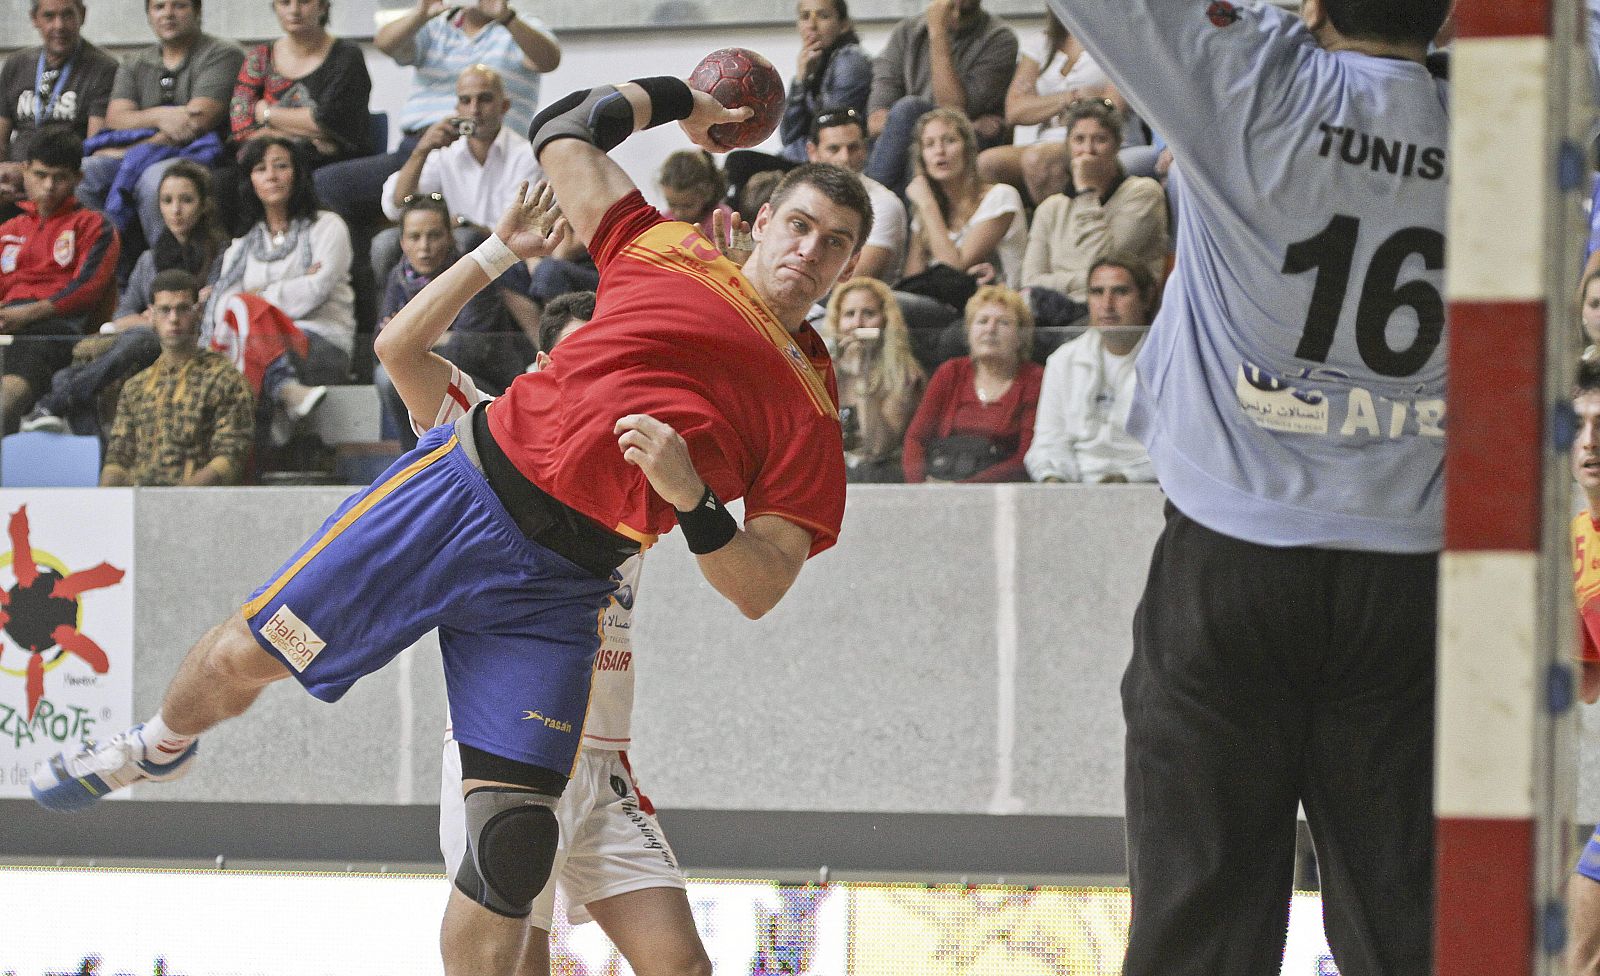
(471, 159)
(1080, 432)
(839, 136)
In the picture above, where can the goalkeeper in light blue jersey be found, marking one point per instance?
(1291, 396)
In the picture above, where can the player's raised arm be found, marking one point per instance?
(530, 227)
(572, 136)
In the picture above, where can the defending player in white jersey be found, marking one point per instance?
(613, 864)
(1291, 396)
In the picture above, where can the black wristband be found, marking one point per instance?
(708, 526)
(670, 99)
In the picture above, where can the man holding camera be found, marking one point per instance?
(471, 158)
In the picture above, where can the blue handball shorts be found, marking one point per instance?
(1589, 863)
(428, 545)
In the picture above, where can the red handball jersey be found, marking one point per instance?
(680, 334)
(1586, 582)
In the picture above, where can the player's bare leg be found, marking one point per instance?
(654, 930)
(1583, 911)
(477, 942)
(221, 676)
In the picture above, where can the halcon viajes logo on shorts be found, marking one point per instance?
(298, 643)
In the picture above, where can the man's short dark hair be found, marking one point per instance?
(832, 118)
(1406, 21)
(57, 146)
(561, 310)
(1143, 280)
(1587, 378)
(196, 4)
(302, 192)
(836, 183)
(33, 8)
(175, 279)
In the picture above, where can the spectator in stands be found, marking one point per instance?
(832, 73)
(294, 265)
(975, 422)
(482, 342)
(187, 420)
(1102, 210)
(954, 56)
(477, 173)
(307, 85)
(66, 80)
(172, 97)
(1042, 88)
(191, 239)
(957, 219)
(57, 268)
(1081, 431)
(441, 42)
(694, 187)
(839, 137)
(879, 379)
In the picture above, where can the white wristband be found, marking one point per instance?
(494, 257)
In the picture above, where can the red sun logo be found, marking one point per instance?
(41, 613)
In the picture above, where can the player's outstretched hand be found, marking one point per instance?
(663, 456)
(707, 113)
(532, 226)
(731, 234)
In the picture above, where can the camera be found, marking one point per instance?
(867, 334)
(466, 127)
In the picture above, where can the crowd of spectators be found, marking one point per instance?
(1007, 180)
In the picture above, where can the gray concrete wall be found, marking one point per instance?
(957, 652)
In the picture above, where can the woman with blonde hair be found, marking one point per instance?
(956, 218)
(880, 381)
(975, 423)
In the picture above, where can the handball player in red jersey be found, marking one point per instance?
(697, 381)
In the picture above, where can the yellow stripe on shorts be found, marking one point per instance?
(375, 496)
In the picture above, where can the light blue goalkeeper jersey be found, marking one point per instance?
(1292, 389)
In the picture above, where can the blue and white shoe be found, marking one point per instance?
(75, 782)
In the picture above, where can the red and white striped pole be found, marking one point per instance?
(1494, 728)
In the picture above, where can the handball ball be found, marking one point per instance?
(738, 77)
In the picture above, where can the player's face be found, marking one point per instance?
(1591, 311)
(1089, 138)
(58, 23)
(802, 247)
(1114, 299)
(860, 309)
(176, 317)
(180, 206)
(818, 22)
(994, 334)
(273, 177)
(943, 154)
(479, 99)
(1586, 446)
(172, 19)
(841, 145)
(425, 241)
(48, 186)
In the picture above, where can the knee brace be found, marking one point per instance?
(511, 843)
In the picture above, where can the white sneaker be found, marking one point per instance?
(75, 782)
(44, 422)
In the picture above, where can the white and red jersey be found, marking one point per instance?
(608, 724)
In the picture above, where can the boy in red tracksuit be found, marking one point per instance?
(57, 264)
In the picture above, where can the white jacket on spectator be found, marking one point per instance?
(1080, 432)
